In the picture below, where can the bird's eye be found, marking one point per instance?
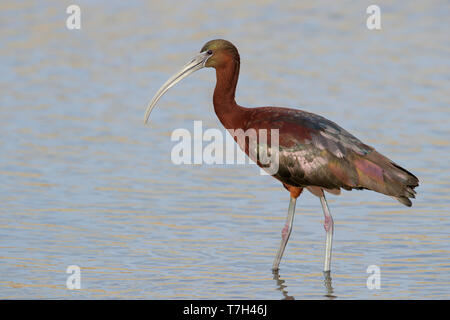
(209, 52)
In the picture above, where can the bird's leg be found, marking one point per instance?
(285, 233)
(329, 227)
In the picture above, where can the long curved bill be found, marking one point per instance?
(195, 64)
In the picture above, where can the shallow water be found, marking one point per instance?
(84, 182)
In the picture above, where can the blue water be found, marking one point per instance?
(84, 182)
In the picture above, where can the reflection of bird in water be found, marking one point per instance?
(328, 285)
(281, 286)
(314, 153)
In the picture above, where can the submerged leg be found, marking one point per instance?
(329, 227)
(285, 233)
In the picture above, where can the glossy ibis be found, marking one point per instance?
(314, 153)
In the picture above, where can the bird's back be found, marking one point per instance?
(315, 151)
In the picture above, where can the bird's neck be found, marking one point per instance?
(227, 110)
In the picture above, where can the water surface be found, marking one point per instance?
(84, 182)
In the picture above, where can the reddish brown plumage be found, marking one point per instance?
(305, 151)
(313, 150)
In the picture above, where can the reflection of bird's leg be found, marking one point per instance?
(328, 284)
(281, 286)
(329, 227)
(286, 232)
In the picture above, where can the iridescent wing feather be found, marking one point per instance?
(315, 151)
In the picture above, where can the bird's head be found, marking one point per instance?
(222, 51)
(214, 54)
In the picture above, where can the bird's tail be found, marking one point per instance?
(380, 174)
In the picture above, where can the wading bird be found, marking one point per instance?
(313, 152)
